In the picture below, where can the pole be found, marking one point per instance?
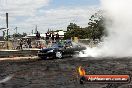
(16, 30)
(36, 29)
(7, 29)
(7, 20)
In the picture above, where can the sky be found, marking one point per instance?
(46, 14)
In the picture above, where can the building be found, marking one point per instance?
(61, 33)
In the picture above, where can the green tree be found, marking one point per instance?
(96, 26)
(95, 29)
(73, 30)
(72, 26)
(24, 34)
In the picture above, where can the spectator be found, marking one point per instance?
(38, 35)
(57, 37)
(47, 36)
(29, 43)
(53, 37)
(21, 43)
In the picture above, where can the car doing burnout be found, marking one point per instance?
(58, 50)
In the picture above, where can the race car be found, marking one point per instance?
(58, 50)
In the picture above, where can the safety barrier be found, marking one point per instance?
(17, 53)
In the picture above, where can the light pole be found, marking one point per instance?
(7, 39)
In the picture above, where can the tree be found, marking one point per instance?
(75, 31)
(24, 34)
(96, 26)
(95, 29)
(72, 26)
(17, 35)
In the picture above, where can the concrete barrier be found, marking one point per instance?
(17, 53)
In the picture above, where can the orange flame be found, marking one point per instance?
(81, 71)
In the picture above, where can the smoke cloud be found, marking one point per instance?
(119, 41)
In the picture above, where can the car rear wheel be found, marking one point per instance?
(59, 54)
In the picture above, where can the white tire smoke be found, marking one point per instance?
(119, 41)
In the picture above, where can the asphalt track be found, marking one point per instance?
(61, 73)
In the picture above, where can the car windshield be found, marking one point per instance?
(57, 45)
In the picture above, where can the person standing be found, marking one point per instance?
(53, 37)
(29, 43)
(21, 43)
(38, 35)
(57, 37)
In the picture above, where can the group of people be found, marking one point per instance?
(25, 43)
(52, 36)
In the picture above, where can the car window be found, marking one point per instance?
(57, 46)
(68, 44)
(75, 45)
